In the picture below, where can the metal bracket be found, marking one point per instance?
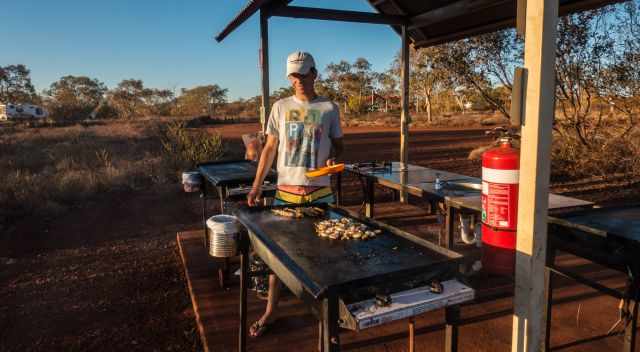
(518, 99)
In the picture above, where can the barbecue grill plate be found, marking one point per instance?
(232, 172)
(320, 263)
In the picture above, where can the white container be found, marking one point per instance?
(191, 181)
(223, 235)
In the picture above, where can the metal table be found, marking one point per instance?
(415, 180)
(609, 237)
(454, 195)
(225, 177)
(329, 274)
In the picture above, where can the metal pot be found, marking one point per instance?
(191, 181)
(223, 235)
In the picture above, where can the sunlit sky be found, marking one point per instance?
(169, 44)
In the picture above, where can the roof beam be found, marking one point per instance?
(491, 27)
(337, 15)
(451, 11)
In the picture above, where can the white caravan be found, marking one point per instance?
(21, 111)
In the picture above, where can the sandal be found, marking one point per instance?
(258, 329)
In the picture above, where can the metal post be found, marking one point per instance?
(631, 330)
(452, 318)
(369, 198)
(412, 337)
(404, 93)
(264, 67)
(339, 189)
(449, 222)
(244, 278)
(331, 337)
(203, 195)
(548, 310)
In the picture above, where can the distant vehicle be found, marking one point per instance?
(21, 112)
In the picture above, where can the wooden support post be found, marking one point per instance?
(264, 67)
(531, 243)
(404, 102)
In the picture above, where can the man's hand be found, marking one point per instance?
(331, 161)
(254, 196)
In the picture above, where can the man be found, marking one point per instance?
(304, 131)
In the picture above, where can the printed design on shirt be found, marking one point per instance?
(303, 134)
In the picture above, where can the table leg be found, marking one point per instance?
(244, 278)
(221, 197)
(549, 278)
(446, 238)
(412, 337)
(548, 308)
(223, 272)
(452, 318)
(369, 198)
(331, 337)
(203, 195)
(631, 330)
(320, 336)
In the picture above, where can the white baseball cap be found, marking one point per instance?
(299, 62)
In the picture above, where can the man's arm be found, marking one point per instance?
(266, 160)
(337, 147)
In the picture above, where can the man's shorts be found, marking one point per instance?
(303, 195)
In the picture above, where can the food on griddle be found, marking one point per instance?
(288, 212)
(298, 212)
(344, 229)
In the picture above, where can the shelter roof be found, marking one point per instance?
(429, 22)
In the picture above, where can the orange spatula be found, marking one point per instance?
(327, 170)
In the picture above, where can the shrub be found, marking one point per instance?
(184, 148)
(607, 157)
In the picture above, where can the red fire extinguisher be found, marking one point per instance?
(500, 174)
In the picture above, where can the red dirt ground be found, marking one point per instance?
(106, 275)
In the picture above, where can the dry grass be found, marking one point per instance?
(608, 156)
(47, 170)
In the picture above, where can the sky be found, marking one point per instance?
(170, 44)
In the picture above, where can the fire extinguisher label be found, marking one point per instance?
(498, 204)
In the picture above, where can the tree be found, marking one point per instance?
(427, 75)
(351, 81)
(281, 93)
(128, 98)
(387, 85)
(15, 85)
(584, 46)
(476, 63)
(195, 101)
(75, 96)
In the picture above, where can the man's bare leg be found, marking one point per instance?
(272, 300)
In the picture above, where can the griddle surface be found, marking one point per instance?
(335, 262)
(235, 172)
(621, 222)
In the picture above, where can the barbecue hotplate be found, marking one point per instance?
(623, 222)
(321, 263)
(232, 172)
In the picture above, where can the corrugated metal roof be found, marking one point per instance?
(439, 21)
(434, 22)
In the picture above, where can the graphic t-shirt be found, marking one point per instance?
(304, 131)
